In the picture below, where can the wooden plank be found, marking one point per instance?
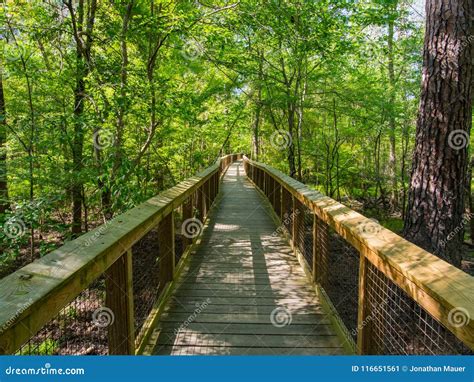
(249, 340)
(213, 350)
(241, 287)
(182, 307)
(285, 302)
(249, 294)
(119, 299)
(253, 329)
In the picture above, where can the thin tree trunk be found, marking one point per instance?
(4, 205)
(83, 39)
(106, 191)
(392, 123)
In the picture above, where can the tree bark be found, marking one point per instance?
(392, 122)
(4, 205)
(434, 218)
(83, 40)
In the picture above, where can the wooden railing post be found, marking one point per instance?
(187, 214)
(277, 199)
(292, 215)
(272, 192)
(119, 299)
(363, 324)
(213, 188)
(298, 225)
(166, 250)
(205, 199)
(199, 203)
(282, 204)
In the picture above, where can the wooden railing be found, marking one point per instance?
(91, 278)
(386, 295)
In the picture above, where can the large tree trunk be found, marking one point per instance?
(3, 153)
(436, 195)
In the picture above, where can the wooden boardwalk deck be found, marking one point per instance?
(243, 291)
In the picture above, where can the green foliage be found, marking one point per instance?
(191, 86)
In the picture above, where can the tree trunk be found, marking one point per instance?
(256, 127)
(436, 195)
(392, 123)
(291, 145)
(4, 205)
(82, 21)
(77, 148)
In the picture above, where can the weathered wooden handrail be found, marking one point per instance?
(36, 293)
(442, 290)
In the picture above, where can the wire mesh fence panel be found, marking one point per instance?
(145, 277)
(304, 232)
(338, 274)
(79, 328)
(396, 324)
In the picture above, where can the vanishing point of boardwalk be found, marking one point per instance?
(243, 291)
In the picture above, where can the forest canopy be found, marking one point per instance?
(107, 103)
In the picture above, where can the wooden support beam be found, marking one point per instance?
(363, 324)
(166, 250)
(298, 225)
(199, 204)
(187, 214)
(119, 299)
(205, 200)
(277, 199)
(291, 216)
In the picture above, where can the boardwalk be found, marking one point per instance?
(243, 291)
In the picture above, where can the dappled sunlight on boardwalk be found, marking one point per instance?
(243, 291)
